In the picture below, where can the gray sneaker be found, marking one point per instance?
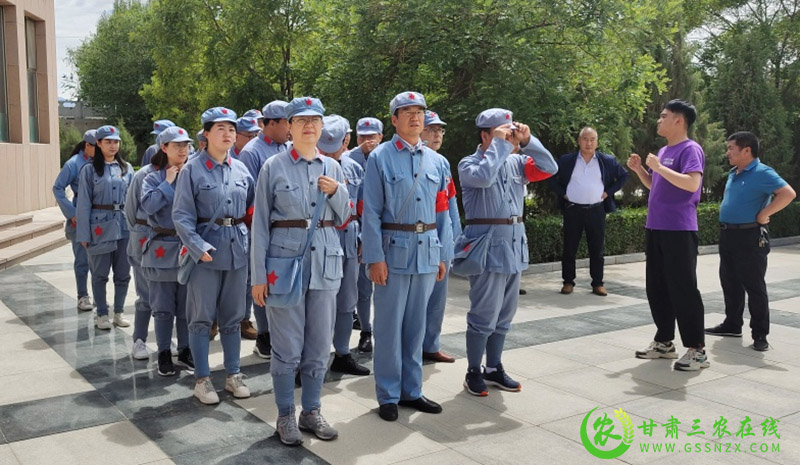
(287, 430)
(315, 423)
(658, 350)
(693, 360)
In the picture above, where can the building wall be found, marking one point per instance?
(27, 170)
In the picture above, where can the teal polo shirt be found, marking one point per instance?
(748, 192)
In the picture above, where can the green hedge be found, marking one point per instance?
(625, 231)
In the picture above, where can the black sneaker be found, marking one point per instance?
(722, 330)
(185, 359)
(263, 346)
(760, 343)
(500, 378)
(347, 364)
(474, 383)
(356, 322)
(165, 366)
(365, 342)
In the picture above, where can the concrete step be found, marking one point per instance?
(11, 221)
(30, 248)
(13, 236)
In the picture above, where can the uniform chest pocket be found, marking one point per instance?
(353, 185)
(394, 178)
(287, 196)
(99, 185)
(207, 194)
(434, 178)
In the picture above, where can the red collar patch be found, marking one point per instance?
(209, 164)
(267, 139)
(398, 144)
(294, 154)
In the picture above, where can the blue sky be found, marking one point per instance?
(75, 21)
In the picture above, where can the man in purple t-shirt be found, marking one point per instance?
(674, 178)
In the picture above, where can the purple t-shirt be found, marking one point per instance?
(671, 208)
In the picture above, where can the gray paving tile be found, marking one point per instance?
(256, 452)
(43, 417)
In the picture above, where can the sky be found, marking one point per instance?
(75, 21)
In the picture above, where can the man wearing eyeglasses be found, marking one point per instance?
(433, 136)
(273, 138)
(246, 130)
(404, 225)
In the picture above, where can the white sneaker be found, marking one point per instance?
(101, 322)
(121, 321)
(139, 350)
(235, 385)
(658, 350)
(692, 360)
(205, 392)
(85, 303)
(173, 348)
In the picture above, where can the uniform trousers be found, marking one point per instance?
(101, 265)
(81, 268)
(399, 329)
(215, 295)
(434, 314)
(168, 301)
(363, 307)
(141, 319)
(301, 340)
(346, 300)
(493, 303)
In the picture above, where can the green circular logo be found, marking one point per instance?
(602, 431)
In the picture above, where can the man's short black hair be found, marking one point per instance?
(744, 139)
(266, 121)
(685, 109)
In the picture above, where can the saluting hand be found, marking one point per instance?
(260, 292)
(522, 136)
(327, 185)
(503, 132)
(172, 173)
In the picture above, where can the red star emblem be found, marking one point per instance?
(160, 252)
(272, 277)
(224, 111)
(433, 114)
(508, 116)
(308, 101)
(467, 247)
(180, 131)
(366, 124)
(183, 251)
(294, 154)
(158, 126)
(209, 164)
(142, 241)
(411, 96)
(98, 231)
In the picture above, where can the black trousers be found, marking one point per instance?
(576, 220)
(672, 286)
(742, 266)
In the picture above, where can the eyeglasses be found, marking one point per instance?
(305, 120)
(248, 135)
(410, 113)
(434, 130)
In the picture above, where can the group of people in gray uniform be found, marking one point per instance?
(273, 212)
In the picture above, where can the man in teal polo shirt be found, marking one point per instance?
(753, 193)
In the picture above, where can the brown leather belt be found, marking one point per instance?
(113, 207)
(141, 221)
(511, 220)
(165, 232)
(418, 228)
(305, 224)
(724, 226)
(227, 221)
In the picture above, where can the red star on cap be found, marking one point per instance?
(272, 277)
(308, 101)
(224, 111)
(411, 96)
(366, 124)
(160, 252)
(158, 126)
(183, 251)
(180, 131)
(142, 241)
(98, 231)
(209, 164)
(112, 130)
(508, 115)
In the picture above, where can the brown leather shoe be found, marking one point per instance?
(248, 331)
(599, 290)
(214, 331)
(567, 288)
(438, 357)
